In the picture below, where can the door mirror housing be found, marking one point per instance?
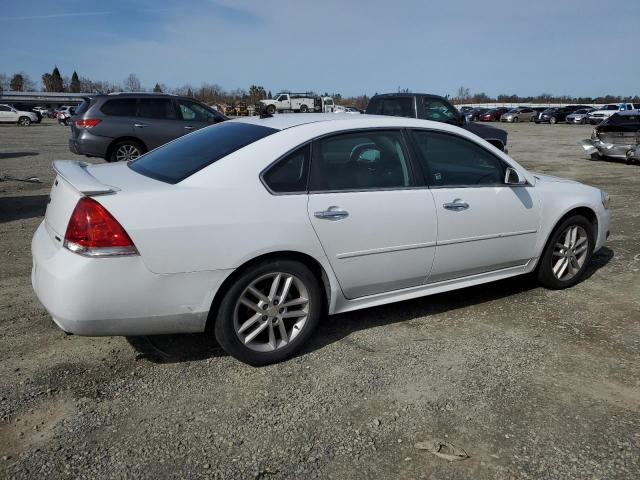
(512, 177)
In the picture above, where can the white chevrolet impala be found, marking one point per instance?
(254, 229)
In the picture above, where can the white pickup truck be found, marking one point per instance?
(597, 116)
(298, 102)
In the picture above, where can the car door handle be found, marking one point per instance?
(189, 127)
(331, 213)
(140, 125)
(456, 205)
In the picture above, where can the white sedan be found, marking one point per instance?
(254, 229)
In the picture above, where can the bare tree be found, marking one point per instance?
(463, 93)
(132, 83)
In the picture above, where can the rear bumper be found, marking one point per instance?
(89, 145)
(118, 295)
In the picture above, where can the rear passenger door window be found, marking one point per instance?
(452, 161)
(289, 174)
(371, 160)
(120, 107)
(160, 108)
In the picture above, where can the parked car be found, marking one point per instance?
(64, 115)
(123, 126)
(580, 116)
(474, 114)
(43, 111)
(435, 108)
(343, 109)
(9, 114)
(229, 230)
(493, 115)
(464, 110)
(519, 114)
(555, 115)
(597, 116)
(353, 109)
(616, 137)
(25, 107)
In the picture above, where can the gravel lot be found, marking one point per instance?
(531, 383)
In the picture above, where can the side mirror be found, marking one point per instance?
(512, 177)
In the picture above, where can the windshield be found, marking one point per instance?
(185, 156)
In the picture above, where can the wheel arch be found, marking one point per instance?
(582, 210)
(314, 265)
(113, 143)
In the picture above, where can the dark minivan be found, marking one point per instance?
(123, 126)
(435, 108)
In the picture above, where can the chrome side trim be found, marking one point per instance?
(375, 251)
(485, 237)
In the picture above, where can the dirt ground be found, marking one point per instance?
(531, 383)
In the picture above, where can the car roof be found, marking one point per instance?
(340, 121)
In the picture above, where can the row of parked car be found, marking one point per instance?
(572, 114)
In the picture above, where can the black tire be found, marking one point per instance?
(516, 119)
(553, 120)
(224, 329)
(271, 109)
(303, 109)
(24, 121)
(545, 274)
(116, 152)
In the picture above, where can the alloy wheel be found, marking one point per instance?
(570, 253)
(271, 311)
(126, 153)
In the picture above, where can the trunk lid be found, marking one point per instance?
(76, 179)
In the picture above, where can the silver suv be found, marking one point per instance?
(123, 126)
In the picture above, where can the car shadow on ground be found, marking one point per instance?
(22, 207)
(4, 155)
(194, 347)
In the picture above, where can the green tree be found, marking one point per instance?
(17, 83)
(157, 88)
(74, 85)
(57, 85)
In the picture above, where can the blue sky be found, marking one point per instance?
(573, 47)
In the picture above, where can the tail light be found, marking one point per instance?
(93, 232)
(87, 122)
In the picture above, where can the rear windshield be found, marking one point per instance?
(185, 156)
(394, 106)
(80, 109)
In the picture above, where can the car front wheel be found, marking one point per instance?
(24, 121)
(269, 312)
(567, 253)
(553, 120)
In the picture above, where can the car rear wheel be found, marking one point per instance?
(24, 121)
(269, 312)
(567, 253)
(125, 150)
(303, 109)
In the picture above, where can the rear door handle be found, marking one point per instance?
(140, 125)
(456, 205)
(331, 213)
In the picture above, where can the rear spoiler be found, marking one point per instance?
(75, 172)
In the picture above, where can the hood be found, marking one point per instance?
(267, 101)
(550, 179)
(487, 132)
